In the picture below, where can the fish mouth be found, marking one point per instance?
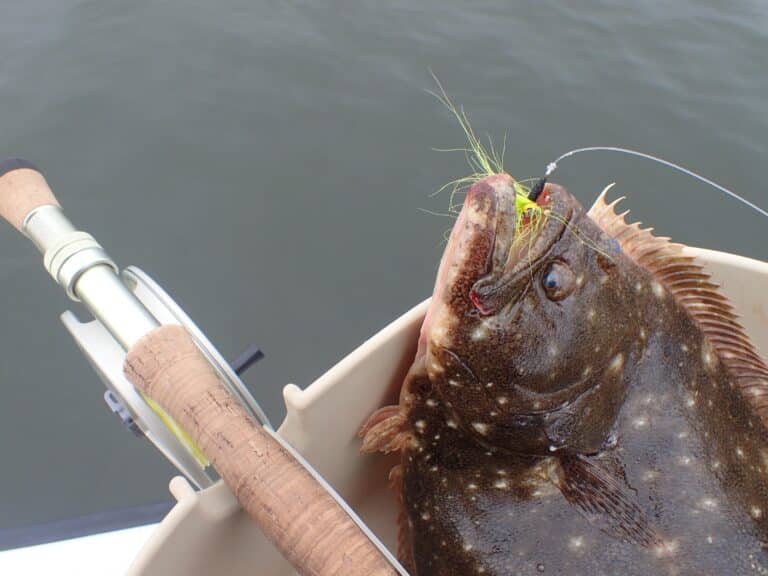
(482, 264)
(521, 243)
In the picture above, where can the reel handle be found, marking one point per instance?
(300, 518)
(23, 189)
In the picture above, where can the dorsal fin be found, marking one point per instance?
(693, 289)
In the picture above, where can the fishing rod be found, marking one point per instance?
(168, 383)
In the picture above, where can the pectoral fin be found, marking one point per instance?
(385, 431)
(605, 500)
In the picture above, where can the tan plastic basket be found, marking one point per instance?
(207, 533)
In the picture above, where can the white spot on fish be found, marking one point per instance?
(420, 425)
(755, 512)
(471, 486)
(708, 357)
(552, 350)
(642, 334)
(638, 287)
(591, 314)
(658, 290)
(467, 547)
(586, 372)
(454, 383)
(617, 363)
(684, 347)
(436, 367)
(666, 548)
(480, 427)
(479, 333)
(489, 385)
(649, 475)
(739, 452)
(684, 460)
(451, 424)
(640, 422)
(576, 543)
(426, 516)
(501, 484)
(710, 540)
(579, 280)
(431, 402)
(708, 504)
(438, 334)
(502, 400)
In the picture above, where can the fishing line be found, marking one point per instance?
(552, 166)
(341, 502)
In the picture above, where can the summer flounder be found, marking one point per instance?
(582, 401)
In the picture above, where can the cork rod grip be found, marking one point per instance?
(303, 521)
(22, 189)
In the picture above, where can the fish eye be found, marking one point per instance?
(558, 280)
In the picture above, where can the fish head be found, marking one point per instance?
(527, 336)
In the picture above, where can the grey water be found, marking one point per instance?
(269, 163)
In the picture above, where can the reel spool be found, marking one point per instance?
(107, 357)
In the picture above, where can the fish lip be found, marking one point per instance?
(494, 289)
(489, 209)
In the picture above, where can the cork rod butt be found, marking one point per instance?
(22, 189)
(294, 511)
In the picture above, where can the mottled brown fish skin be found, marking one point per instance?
(538, 375)
(569, 415)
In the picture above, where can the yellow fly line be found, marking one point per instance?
(177, 431)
